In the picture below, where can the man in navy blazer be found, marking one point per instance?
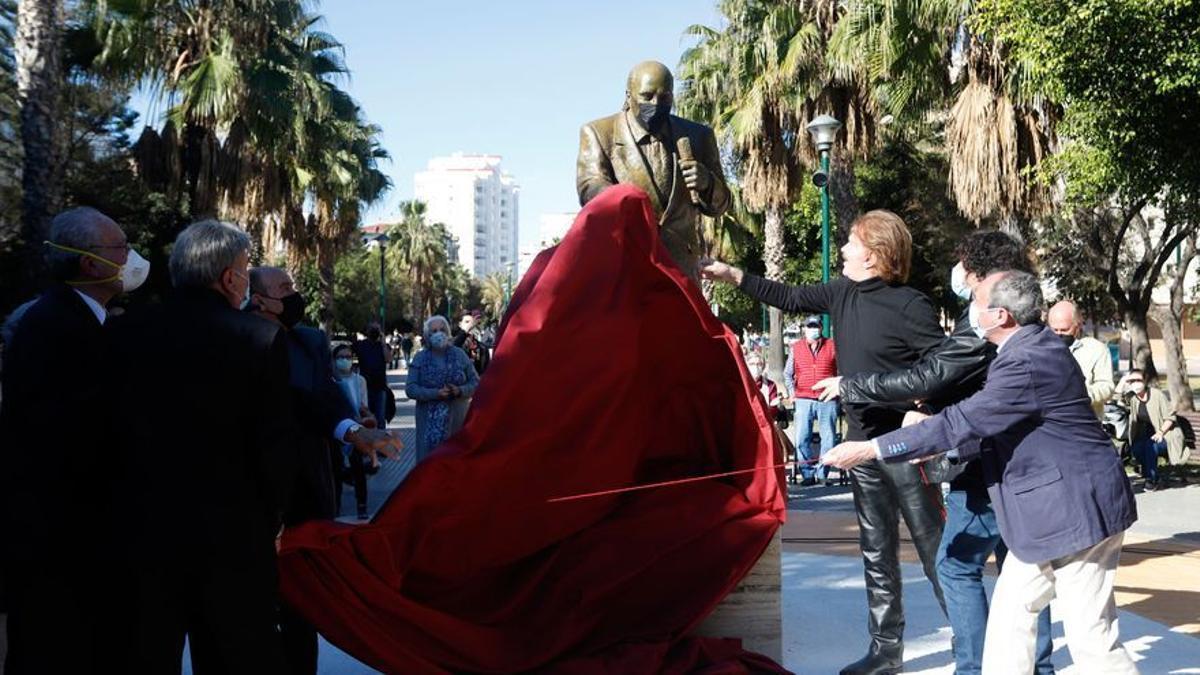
(1061, 496)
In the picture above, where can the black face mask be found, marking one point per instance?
(653, 115)
(293, 309)
(1067, 339)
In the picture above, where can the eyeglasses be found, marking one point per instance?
(125, 246)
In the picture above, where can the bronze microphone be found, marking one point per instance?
(685, 152)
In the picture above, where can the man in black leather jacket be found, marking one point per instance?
(952, 373)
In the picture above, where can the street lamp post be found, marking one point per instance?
(824, 129)
(382, 240)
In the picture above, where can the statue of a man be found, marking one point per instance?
(673, 160)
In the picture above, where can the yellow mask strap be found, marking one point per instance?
(92, 256)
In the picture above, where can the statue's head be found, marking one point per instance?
(649, 93)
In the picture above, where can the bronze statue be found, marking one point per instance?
(673, 160)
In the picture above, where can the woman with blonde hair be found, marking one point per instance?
(879, 325)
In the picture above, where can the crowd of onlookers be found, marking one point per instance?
(184, 438)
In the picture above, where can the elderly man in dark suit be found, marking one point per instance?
(324, 415)
(203, 497)
(675, 161)
(53, 373)
(1061, 497)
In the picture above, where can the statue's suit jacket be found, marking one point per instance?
(609, 154)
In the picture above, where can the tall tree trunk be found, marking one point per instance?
(326, 258)
(841, 195)
(1170, 319)
(39, 89)
(1135, 321)
(773, 258)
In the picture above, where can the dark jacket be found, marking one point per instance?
(951, 373)
(51, 428)
(204, 425)
(371, 364)
(320, 406)
(1055, 483)
(877, 327)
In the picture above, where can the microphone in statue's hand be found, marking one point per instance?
(695, 175)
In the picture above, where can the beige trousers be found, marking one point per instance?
(1083, 584)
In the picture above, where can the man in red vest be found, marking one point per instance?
(809, 361)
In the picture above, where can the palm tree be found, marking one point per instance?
(495, 294)
(758, 83)
(924, 63)
(38, 51)
(422, 250)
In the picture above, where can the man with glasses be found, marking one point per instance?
(49, 426)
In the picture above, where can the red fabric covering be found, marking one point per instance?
(611, 372)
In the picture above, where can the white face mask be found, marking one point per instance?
(755, 372)
(1137, 387)
(973, 314)
(132, 274)
(958, 282)
(812, 333)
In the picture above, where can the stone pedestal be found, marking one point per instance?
(752, 611)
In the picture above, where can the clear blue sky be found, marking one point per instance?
(515, 78)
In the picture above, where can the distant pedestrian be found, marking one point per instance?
(354, 387)
(439, 376)
(1153, 429)
(1092, 355)
(809, 361)
(406, 346)
(372, 364)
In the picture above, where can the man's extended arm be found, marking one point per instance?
(1006, 400)
(958, 360)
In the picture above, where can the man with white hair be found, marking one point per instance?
(1092, 355)
(206, 436)
(54, 371)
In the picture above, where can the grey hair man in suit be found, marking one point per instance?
(1061, 496)
(50, 472)
(673, 160)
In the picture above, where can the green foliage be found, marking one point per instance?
(356, 292)
(1128, 75)
(910, 180)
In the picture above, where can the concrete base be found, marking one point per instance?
(753, 610)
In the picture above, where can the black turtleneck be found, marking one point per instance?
(877, 327)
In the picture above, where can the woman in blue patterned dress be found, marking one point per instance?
(439, 375)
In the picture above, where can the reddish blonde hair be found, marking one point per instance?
(885, 234)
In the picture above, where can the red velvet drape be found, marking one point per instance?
(611, 372)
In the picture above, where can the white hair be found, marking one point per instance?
(427, 327)
(205, 250)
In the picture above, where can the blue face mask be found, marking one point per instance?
(343, 365)
(438, 340)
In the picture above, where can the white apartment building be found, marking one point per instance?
(477, 201)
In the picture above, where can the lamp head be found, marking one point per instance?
(823, 129)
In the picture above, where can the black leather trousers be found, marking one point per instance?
(882, 493)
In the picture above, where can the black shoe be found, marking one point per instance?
(1150, 486)
(828, 482)
(362, 514)
(808, 481)
(874, 664)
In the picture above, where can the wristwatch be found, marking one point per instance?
(352, 430)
